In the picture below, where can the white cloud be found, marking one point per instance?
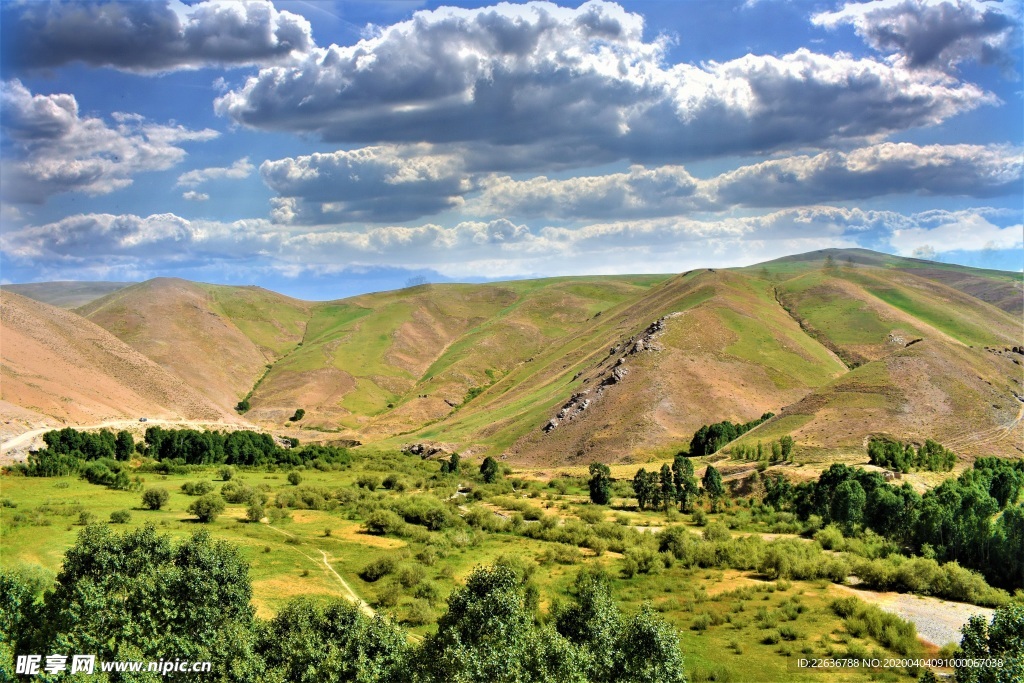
(943, 231)
(538, 85)
(886, 168)
(51, 149)
(153, 37)
(194, 196)
(490, 249)
(933, 33)
(236, 171)
(373, 184)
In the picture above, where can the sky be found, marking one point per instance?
(325, 148)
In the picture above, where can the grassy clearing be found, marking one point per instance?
(735, 625)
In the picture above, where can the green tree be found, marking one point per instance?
(207, 508)
(488, 636)
(299, 414)
(685, 482)
(309, 642)
(600, 484)
(642, 488)
(154, 499)
(1002, 639)
(668, 487)
(713, 487)
(489, 470)
(137, 596)
(243, 406)
(294, 478)
(786, 446)
(847, 509)
(648, 651)
(124, 448)
(227, 472)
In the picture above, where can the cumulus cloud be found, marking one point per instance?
(886, 168)
(932, 33)
(536, 84)
(493, 248)
(372, 184)
(236, 171)
(194, 196)
(944, 231)
(151, 37)
(48, 148)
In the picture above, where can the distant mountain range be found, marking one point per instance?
(840, 344)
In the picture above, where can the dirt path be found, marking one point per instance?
(938, 621)
(349, 593)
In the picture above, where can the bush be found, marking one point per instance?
(154, 499)
(381, 522)
(254, 513)
(699, 517)
(294, 478)
(207, 508)
(716, 531)
(120, 517)
(196, 488)
(299, 414)
(377, 569)
(227, 472)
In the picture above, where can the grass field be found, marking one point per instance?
(734, 625)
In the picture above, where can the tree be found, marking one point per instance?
(592, 622)
(648, 651)
(642, 488)
(489, 470)
(243, 406)
(848, 501)
(310, 642)
(668, 487)
(1002, 639)
(299, 414)
(713, 487)
(294, 478)
(207, 508)
(227, 472)
(489, 635)
(138, 596)
(600, 484)
(685, 482)
(452, 465)
(124, 448)
(154, 499)
(786, 446)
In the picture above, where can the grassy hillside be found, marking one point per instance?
(218, 339)
(829, 340)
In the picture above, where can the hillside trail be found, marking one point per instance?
(26, 438)
(987, 436)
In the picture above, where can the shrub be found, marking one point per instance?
(377, 569)
(227, 472)
(196, 488)
(86, 518)
(154, 499)
(701, 622)
(699, 517)
(381, 522)
(120, 517)
(254, 513)
(294, 478)
(716, 531)
(207, 508)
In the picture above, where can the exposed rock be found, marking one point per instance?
(422, 450)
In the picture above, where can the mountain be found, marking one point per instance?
(66, 294)
(841, 344)
(57, 364)
(219, 340)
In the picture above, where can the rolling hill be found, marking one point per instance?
(57, 364)
(66, 294)
(841, 344)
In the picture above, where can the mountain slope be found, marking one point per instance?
(58, 364)
(66, 294)
(217, 339)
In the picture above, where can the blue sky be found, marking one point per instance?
(327, 148)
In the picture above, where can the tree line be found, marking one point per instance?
(903, 457)
(139, 596)
(69, 451)
(710, 438)
(955, 521)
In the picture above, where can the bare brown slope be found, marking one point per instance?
(56, 363)
(211, 337)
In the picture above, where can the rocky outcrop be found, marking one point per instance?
(581, 401)
(423, 450)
